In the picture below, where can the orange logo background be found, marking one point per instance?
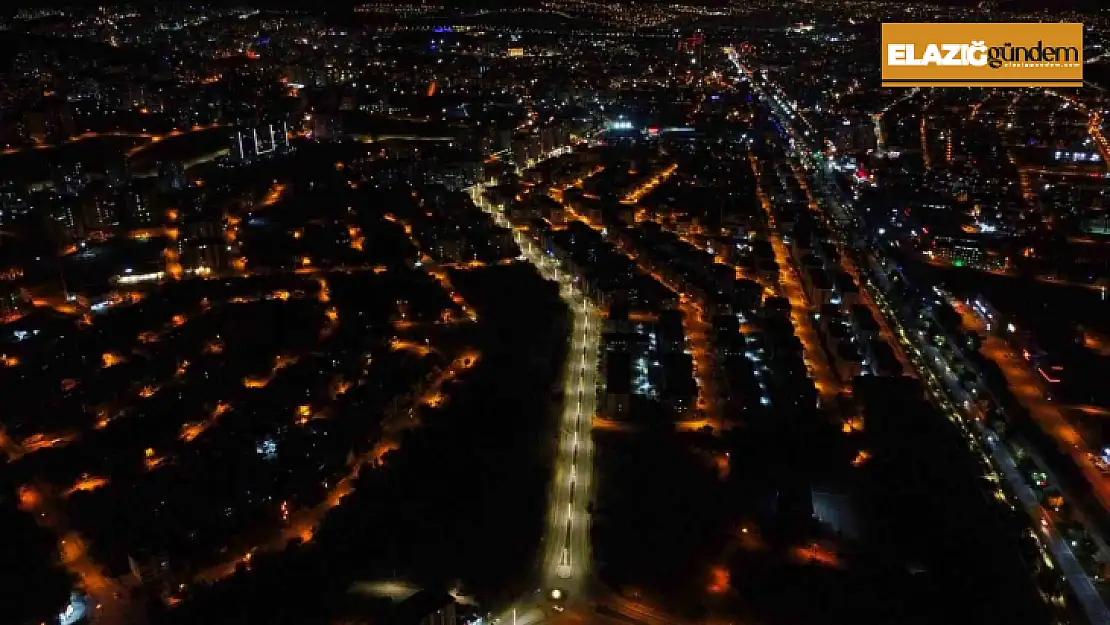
(1063, 67)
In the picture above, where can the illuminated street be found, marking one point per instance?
(565, 550)
(1028, 390)
(555, 313)
(801, 316)
(948, 394)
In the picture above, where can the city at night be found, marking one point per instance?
(555, 312)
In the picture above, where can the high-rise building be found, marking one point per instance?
(65, 214)
(260, 141)
(13, 200)
(69, 178)
(139, 210)
(116, 172)
(171, 175)
(105, 210)
(202, 242)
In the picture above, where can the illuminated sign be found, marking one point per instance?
(1053, 375)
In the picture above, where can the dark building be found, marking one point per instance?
(618, 384)
(171, 175)
(117, 173)
(69, 178)
(424, 608)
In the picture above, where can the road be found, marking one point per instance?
(1002, 461)
(1062, 554)
(566, 545)
(110, 601)
(848, 265)
(107, 595)
(302, 524)
(154, 138)
(1028, 390)
(565, 550)
(826, 381)
(877, 118)
(954, 401)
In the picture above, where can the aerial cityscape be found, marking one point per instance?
(547, 311)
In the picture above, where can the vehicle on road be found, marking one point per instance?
(558, 597)
(1099, 462)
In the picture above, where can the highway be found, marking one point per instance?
(947, 392)
(1025, 386)
(1062, 554)
(565, 550)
